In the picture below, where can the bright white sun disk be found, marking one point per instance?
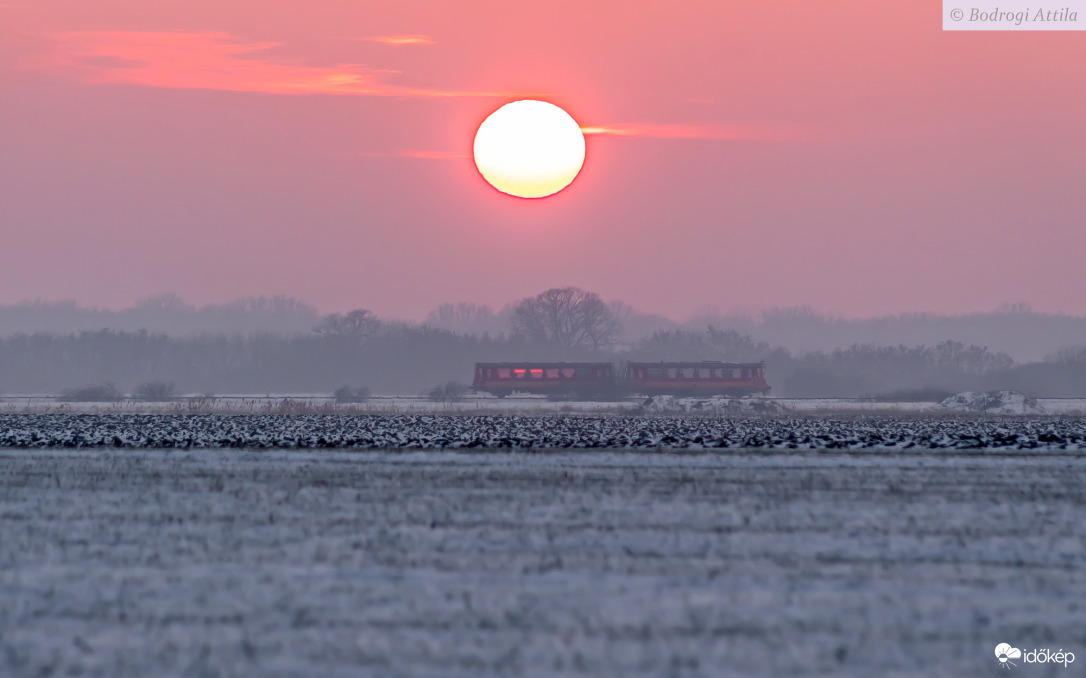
(530, 149)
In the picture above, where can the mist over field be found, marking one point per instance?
(284, 345)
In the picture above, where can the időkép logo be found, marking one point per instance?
(1005, 653)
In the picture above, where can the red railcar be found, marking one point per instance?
(501, 379)
(696, 378)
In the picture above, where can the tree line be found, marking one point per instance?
(360, 351)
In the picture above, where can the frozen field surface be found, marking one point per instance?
(230, 562)
(540, 431)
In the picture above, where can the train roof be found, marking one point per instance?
(695, 363)
(541, 364)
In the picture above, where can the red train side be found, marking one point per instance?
(501, 379)
(696, 378)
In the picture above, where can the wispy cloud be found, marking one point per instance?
(674, 131)
(655, 131)
(214, 61)
(400, 40)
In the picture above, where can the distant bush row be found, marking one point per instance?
(160, 391)
(152, 391)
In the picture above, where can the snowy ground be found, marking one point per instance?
(214, 563)
(526, 404)
(533, 432)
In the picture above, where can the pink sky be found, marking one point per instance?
(849, 156)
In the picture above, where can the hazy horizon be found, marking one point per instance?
(1016, 330)
(707, 310)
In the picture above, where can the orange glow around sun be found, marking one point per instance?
(530, 149)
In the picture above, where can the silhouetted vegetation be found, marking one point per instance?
(351, 394)
(92, 393)
(566, 319)
(467, 318)
(560, 324)
(916, 395)
(355, 327)
(449, 392)
(165, 314)
(155, 391)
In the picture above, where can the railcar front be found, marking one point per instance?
(544, 378)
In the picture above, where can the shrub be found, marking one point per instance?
(451, 391)
(156, 391)
(603, 392)
(917, 395)
(92, 393)
(348, 394)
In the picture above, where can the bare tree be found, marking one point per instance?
(466, 318)
(358, 325)
(566, 318)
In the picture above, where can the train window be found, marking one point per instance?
(703, 373)
(583, 373)
(568, 372)
(552, 373)
(736, 373)
(536, 374)
(519, 374)
(688, 372)
(503, 373)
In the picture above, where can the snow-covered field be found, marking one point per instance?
(999, 402)
(533, 432)
(292, 563)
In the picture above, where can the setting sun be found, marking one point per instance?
(530, 149)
